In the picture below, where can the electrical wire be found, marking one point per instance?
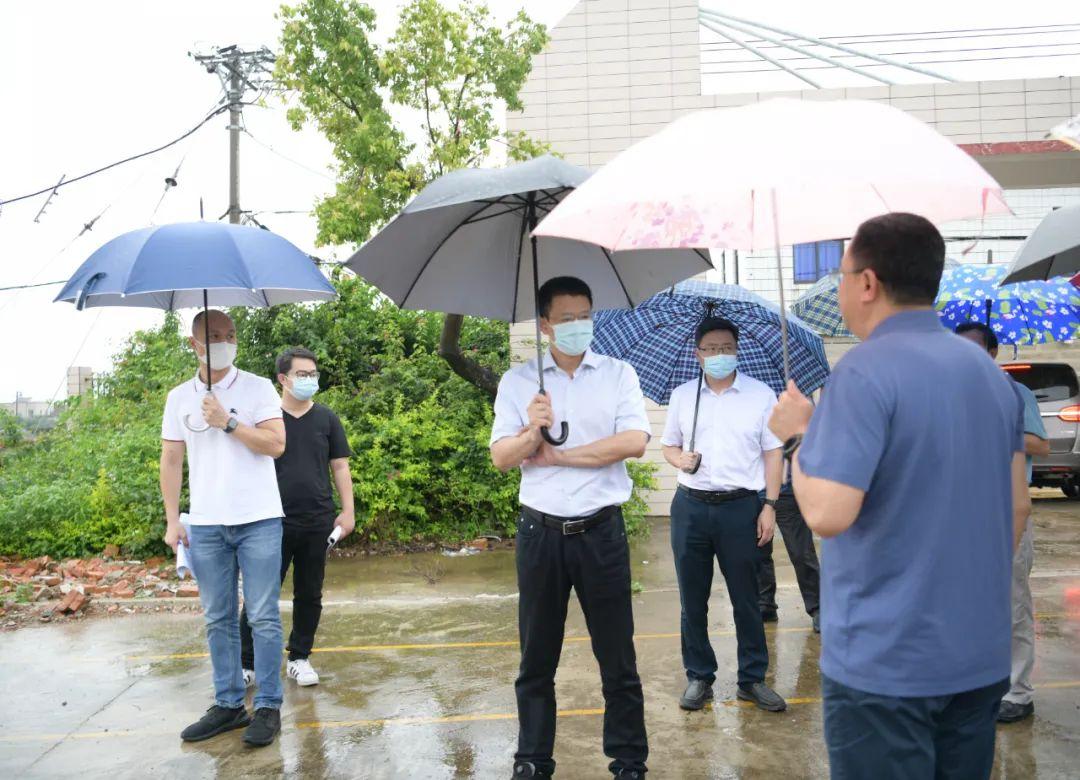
(133, 157)
(75, 357)
(297, 163)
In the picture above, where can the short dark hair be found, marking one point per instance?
(906, 252)
(285, 359)
(709, 324)
(561, 285)
(989, 338)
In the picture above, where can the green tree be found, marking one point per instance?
(453, 66)
(11, 432)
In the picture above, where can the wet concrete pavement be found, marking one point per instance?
(417, 682)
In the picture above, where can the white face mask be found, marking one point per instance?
(222, 355)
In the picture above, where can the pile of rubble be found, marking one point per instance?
(66, 587)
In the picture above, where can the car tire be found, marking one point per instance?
(1071, 488)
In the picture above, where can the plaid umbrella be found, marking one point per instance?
(819, 308)
(1024, 313)
(657, 338)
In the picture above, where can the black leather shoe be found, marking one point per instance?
(696, 694)
(1011, 712)
(816, 619)
(523, 770)
(264, 727)
(769, 616)
(763, 696)
(217, 720)
(630, 774)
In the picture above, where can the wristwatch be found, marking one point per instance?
(791, 445)
(231, 425)
(770, 502)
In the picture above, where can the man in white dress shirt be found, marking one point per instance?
(570, 531)
(717, 511)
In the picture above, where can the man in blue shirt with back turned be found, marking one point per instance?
(916, 449)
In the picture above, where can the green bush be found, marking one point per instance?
(419, 433)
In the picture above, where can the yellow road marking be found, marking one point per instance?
(477, 717)
(445, 645)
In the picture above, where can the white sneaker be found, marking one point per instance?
(249, 678)
(301, 671)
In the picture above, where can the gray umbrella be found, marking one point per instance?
(460, 246)
(1053, 248)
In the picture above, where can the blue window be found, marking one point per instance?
(815, 260)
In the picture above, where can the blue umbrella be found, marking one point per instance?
(1024, 313)
(819, 306)
(657, 338)
(193, 264)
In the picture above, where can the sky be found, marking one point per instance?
(89, 83)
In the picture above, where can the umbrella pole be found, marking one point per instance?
(697, 401)
(206, 322)
(565, 431)
(780, 286)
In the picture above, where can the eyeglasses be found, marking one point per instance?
(711, 351)
(306, 375)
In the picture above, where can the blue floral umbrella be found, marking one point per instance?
(1024, 313)
(657, 338)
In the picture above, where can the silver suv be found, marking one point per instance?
(1058, 393)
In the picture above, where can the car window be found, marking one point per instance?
(1050, 382)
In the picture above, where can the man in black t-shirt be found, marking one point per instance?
(315, 448)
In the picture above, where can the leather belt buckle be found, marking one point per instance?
(572, 527)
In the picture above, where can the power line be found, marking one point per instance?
(32, 286)
(75, 357)
(297, 163)
(933, 35)
(66, 182)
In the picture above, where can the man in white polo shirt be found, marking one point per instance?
(231, 436)
(570, 532)
(717, 511)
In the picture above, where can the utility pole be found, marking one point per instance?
(241, 72)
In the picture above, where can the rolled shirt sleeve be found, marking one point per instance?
(630, 414)
(268, 403)
(847, 434)
(508, 420)
(171, 425)
(673, 436)
(769, 441)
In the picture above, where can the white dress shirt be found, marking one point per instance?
(229, 484)
(603, 398)
(732, 433)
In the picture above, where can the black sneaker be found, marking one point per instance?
(696, 694)
(264, 727)
(217, 720)
(1011, 712)
(630, 774)
(769, 616)
(763, 696)
(816, 620)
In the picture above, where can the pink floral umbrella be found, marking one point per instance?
(778, 172)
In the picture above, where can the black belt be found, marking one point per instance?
(716, 496)
(570, 525)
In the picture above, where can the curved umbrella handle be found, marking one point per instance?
(697, 465)
(555, 442)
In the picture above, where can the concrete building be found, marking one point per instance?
(26, 408)
(617, 71)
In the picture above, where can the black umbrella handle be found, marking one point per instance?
(693, 425)
(565, 428)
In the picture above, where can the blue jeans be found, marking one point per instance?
(896, 738)
(218, 554)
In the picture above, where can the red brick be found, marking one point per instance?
(188, 590)
(95, 590)
(157, 560)
(95, 574)
(123, 593)
(164, 594)
(479, 544)
(78, 602)
(110, 551)
(53, 580)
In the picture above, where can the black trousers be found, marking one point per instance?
(305, 549)
(799, 542)
(596, 564)
(726, 532)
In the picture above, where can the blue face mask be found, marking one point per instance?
(720, 366)
(573, 338)
(304, 388)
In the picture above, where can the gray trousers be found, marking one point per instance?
(1023, 622)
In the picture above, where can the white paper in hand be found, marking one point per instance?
(183, 555)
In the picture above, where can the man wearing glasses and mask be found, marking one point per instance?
(717, 511)
(231, 436)
(315, 448)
